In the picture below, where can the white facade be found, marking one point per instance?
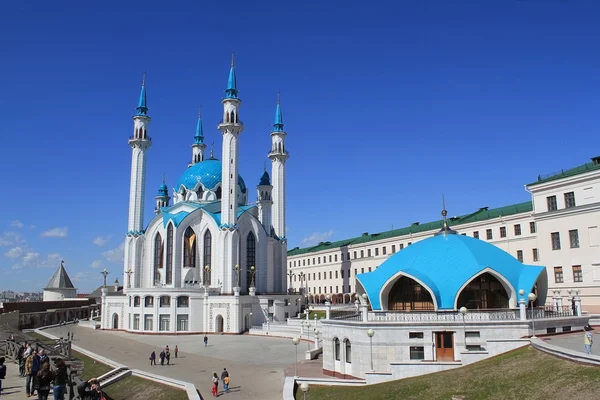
(210, 262)
(523, 230)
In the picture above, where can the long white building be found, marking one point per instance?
(558, 229)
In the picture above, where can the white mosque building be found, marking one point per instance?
(210, 262)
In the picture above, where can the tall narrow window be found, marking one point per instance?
(336, 352)
(250, 260)
(569, 199)
(536, 256)
(574, 238)
(348, 347)
(158, 256)
(555, 237)
(551, 202)
(207, 257)
(189, 248)
(558, 275)
(169, 272)
(517, 229)
(577, 273)
(532, 227)
(520, 255)
(502, 231)
(488, 233)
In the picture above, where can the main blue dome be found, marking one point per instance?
(207, 172)
(445, 263)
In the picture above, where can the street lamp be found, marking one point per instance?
(237, 274)
(463, 311)
(296, 341)
(129, 272)
(308, 333)
(370, 334)
(291, 275)
(304, 387)
(532, 297)
(206, 276)
(105, 274)
(252, 273)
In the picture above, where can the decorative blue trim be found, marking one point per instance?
(136, 233)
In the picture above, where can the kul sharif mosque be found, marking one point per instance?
(208, 262)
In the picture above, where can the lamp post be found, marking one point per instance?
(316, 338)
(291, 275)
(105, 274)
(296, 341)
(252, 273)
(302, 277)
(532, 297)
(129, 272)
(298, 300)
(206, 276)
(463, 311)
(304, 387)
(308, 333)
(370, 334)
(237, 274)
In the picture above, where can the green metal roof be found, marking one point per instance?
(480, 215)
(582, 169)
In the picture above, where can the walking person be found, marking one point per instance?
(205, 340)
(21, 359)
(588, 339)
(215, 384)
(224, 374)
(2, 373)
(162, 357)
(60, 380)
(176, 350)
(44, 378)
(32, 366)
(153, 358)
(226, 381)
(168, 356)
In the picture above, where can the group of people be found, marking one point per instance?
(165, 354)
(40, 377)
(215, 382)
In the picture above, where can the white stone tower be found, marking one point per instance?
(265, 202)
(162, 198)
(198, 146)
(231, 126)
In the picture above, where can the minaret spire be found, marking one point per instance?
(445, 227)
(142, 108)
(231, 91)
(278, 123)
(198, 146)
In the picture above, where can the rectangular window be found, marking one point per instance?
(551, 201)
(304, 263)
(355, 255)
(518, 230)
(577, 274)
(136, 321)
(362, 254)
(165, 320)
(536, 256)
(488, 234)
(362, 270)
(369, 269)
(336, 274)
(472, 335)
(319, 276)
(502, 231)
(309, 262)
(136, 301)
(417, 352)
(148, 301)
(337, 289)
(384, 250)
(325, 289)
(532, 227)
(342, 273)
(315, 277)
(574, 238)
(319, 260)
(393, 249)
(348, 256)
(147, 322)
(415, 335)
(330, 289)
(550, 330)
(566, 329)
(476, 234)
(335, 257)
(330, 258)
(183, 301)
(319, 289)
(376, 251)
(165, 301)
(313, 261)
(401, 246)
(520, 255)
(409, 243)
(558, 275)
(570, 200)
(368, 252)
(330, 273)
(555, 236)
(355, 271)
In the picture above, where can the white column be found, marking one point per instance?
(523, 309)
(578, 305)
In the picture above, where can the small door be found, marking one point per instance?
(444, 346)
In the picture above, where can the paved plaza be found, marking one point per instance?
(574, 341)
(257, 365)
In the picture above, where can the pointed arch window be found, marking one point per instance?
(159, 252)
(207, 256)
(169, 271)
(189, 248)
(250, 260)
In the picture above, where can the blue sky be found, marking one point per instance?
(387, 105)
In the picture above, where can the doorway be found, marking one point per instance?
(115, 319)
(444, 346)
(219, 324)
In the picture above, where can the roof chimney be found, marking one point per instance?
(596, 160)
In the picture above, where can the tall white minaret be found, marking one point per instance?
(139, 142)
(265, 201)
(231, 126)
(198, 146)
(278, 156)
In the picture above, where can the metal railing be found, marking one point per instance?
(345, 313)
(450, 316)
(550, 312)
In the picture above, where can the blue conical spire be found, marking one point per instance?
(232, 92)
(199, 132)
(278, 124)
(142, 109)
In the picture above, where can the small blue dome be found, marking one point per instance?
(207, 172)
(163, 190)
(264, 179)
(445, 263)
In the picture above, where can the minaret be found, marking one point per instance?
(139, 142)
(162, 198)
(231, 127)
(265, 201)
(278, 156)
(198, 146)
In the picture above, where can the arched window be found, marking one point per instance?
(336, 349)
(484, 291)
(158, 256)
(169, 272)
(189, 248)
(250, 260)
(348, 347)
(207, 256)
(408, 294)
(136, 301)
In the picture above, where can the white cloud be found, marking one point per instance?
(17, 224)
(54, 257)
(317, 237)
(59, 232)
(115, 255)
(11, 239)
(15, 252)
(31, 257)
(101, 240)
(96, 264)
(82, 277)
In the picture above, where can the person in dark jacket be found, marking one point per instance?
(21, 359)
(44, 377)
(61, 379)
(153, 358)
(90, 390)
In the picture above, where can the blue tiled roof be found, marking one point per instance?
(445, 263)
(278, 123)
(162, 190)
(142, 108)
(264, 179)
(208, 172)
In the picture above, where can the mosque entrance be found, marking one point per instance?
(444, 346)
(219, 324)
(115, 321)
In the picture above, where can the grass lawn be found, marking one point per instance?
(134, 388)
(521, 374)
(319, 313)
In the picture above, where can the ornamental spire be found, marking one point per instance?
(199, 131)
(445, 227)
(278, 124)
(231, 90)
(142, 108)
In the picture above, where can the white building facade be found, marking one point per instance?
(558, 228)
(210, 262)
